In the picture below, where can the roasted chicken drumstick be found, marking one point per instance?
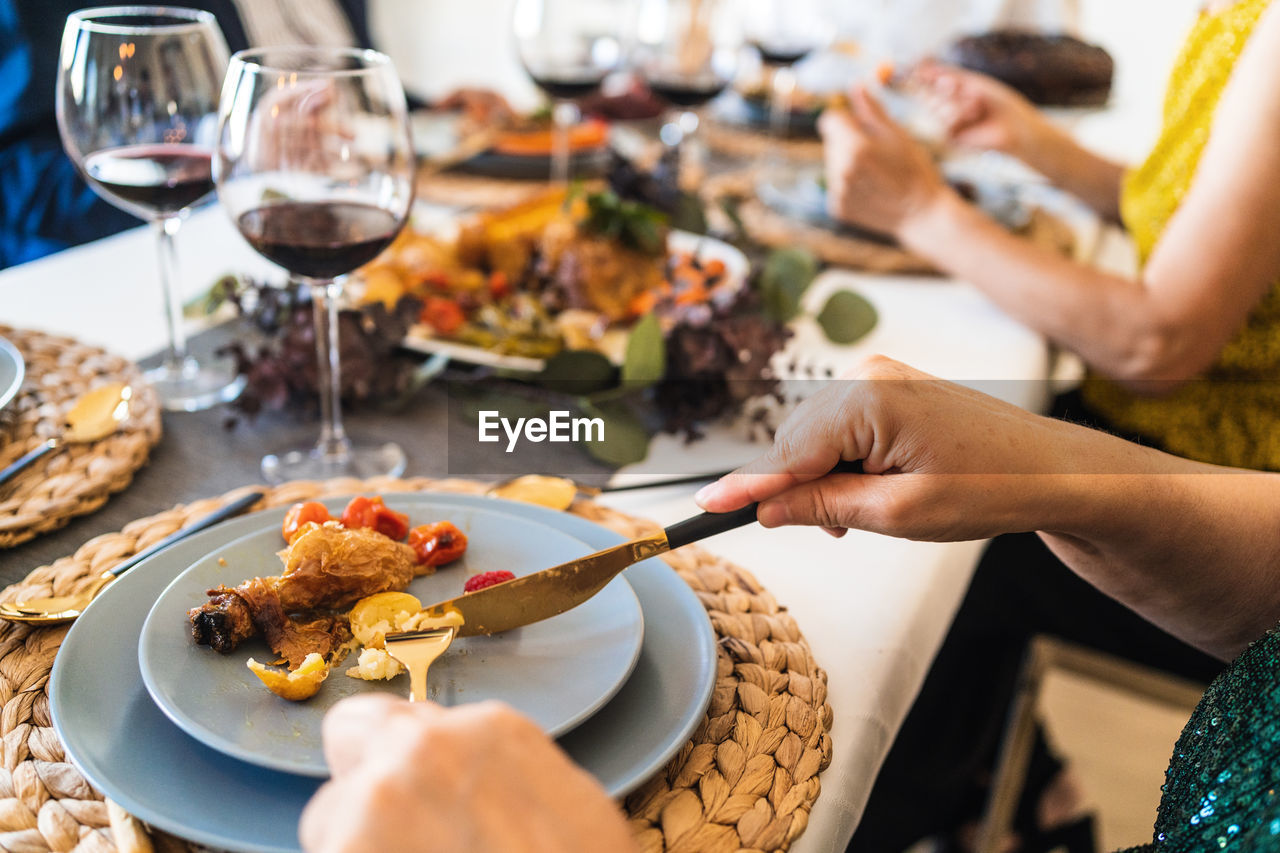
(326, 567)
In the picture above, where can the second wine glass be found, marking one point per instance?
(567, 47)
(315, 167)
(137, 102)
(687, 52)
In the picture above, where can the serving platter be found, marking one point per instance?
(702, 247)
(587, 653)
(12, 372)
(132, 753)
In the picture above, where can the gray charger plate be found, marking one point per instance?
(12, 370)
(132, 753)
(585, 654)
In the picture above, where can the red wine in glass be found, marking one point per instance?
(568, 84)
(319, 239)
(779, 55)
(686, 91)
(164, 178)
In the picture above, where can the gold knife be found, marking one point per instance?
(553, 591)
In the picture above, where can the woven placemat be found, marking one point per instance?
(76, 479)
(746, 780)
(458, 189)
(845, 248)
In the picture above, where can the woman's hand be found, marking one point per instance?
(978, 111)
(474, 779)
(949, 455)
(878, 177)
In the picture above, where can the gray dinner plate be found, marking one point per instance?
(12, 370)
(557, 672)
(132, 753)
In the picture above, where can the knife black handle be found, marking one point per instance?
(711, 523)
(234, 508)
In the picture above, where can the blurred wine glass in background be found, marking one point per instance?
(567, 47)
(137, 105)
(783, 32)
(315, 167)
(687, 51)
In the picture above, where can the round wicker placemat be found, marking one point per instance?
(750, 143)
(458, 189)
(846, 248)
(746, 780)
(76, 479)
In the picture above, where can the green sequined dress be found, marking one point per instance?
(1222, 788)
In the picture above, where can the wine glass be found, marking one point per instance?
(315, 167)
(687, 51)
(567, 47)
(137, 105)
(783, 32)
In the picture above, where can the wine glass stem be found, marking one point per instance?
(784, 84)
(563, 116)
(333, 443)
(166, 228)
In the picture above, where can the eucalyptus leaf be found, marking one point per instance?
(578, 372)
(490, 399)
(787, 274)
(204, 304)
(847, 317)
(626, 441)
(689, 214)
(645, 362)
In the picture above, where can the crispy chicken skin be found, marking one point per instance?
(326, 567)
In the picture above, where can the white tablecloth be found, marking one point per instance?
(874, 609)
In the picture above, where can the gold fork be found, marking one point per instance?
(417, 650)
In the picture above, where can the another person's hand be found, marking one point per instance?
(474, 779)
(878, 177)
(948, 453)
(977, 111)
(482, 107)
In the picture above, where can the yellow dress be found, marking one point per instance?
(1230, 416)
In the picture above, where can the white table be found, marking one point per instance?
(874, 609)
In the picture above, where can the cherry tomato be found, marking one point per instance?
(443, 315)
(499, 284)
(301, 513)
(437, 543)
(373, 513)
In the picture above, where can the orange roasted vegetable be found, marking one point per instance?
(300, 514)
(438, 543)
(373, 514)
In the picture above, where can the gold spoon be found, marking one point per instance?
(95, 415)
(57, 609)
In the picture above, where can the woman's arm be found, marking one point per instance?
(1194, 548)
(978, 111)
(1215, 260)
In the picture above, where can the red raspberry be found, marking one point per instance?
(485, 579)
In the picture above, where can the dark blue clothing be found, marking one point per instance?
(45, 205)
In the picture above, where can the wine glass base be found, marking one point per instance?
(360, 460)
(192, 386)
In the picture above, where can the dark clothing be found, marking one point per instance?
(45, 205)
(935, 775)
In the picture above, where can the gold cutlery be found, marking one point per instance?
(417, 650)
(95, 415)
(57, 609)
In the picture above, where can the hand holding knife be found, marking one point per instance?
(553, 591)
